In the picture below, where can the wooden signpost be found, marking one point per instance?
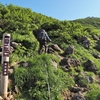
(5, 64)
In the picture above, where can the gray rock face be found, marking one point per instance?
(70, 50)
(70, 62)
(89, 66)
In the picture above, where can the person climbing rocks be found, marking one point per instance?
(43, 38)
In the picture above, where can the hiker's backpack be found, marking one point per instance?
(42, 35)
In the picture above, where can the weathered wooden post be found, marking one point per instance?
(5, 64)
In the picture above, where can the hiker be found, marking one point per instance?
(43, 37)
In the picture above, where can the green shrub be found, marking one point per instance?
(93, 93)
(41, 80)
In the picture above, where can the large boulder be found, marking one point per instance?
(90, 66)
(85, 42)
(97, 46)
(70, 50)
(55, 47)
(82, 79)
(70, 62)
(96, 55)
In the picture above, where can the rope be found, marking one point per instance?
(49, 97)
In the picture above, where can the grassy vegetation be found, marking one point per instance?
(33, 80)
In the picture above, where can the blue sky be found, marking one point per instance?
(60, 9)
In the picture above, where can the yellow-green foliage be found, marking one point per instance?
(22, 23)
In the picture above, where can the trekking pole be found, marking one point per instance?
(49, 97)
